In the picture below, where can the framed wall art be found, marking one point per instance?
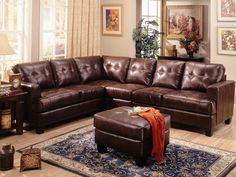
(112, 20)
(226, 10)
(184, 18)
(227, 40)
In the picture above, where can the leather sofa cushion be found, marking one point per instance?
(64, 72)
(90, 68)
(122, 91)
(151, 96)
(198, 76)
(193, 101)
(115, 68)
(141, 71)
(59, 97)
(56, 98)
(102, 83)
(38, 72)
(168, 74)
(86, 92)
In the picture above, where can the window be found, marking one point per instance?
(53, 29)
(12, 23)
(151, 10)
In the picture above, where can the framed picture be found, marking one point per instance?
(112, 20)
(227, 41)
(184, 18)
(226, 10)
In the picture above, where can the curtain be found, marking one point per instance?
(83, 28)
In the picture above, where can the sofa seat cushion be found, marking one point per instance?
(122, 91)
(57, 98)
(86, 92)
(102, 83)
(151, 95)
(193, 101)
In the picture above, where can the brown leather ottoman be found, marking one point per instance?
(115, 128)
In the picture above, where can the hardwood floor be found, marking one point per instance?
(224, 138)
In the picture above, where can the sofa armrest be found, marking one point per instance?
(31, 99)
(223, 94)
(33, 89)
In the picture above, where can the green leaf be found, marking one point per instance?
(147, 38)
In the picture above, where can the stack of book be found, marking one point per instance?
(5, 89)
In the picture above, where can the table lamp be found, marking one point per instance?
(5, 48)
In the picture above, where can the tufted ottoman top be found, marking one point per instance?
(118, 121)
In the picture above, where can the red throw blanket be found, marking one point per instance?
(157, 122)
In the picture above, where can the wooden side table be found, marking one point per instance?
(16, 99)
(181, 58)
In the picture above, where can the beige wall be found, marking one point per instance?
(124, 46)
(121, 45)
(228, 61)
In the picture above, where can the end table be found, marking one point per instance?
(16, 99)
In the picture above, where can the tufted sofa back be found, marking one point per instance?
(65, 72)
(198, 76)
(168, 74)
(39, 73)
(161, 73)
(115, 68)
(141, 71)
(89, 68)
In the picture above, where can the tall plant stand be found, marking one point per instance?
(181, 58)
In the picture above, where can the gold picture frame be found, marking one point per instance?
(184, 18)
(112, 20)
(227, 40)
(226, 10)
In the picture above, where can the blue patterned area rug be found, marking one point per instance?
(76, 151)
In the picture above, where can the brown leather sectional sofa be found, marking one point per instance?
(195, 94)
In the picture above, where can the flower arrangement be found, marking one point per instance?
(190, 42)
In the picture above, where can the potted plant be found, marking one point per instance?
(146, 37)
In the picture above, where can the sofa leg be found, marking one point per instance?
(101, 149)
(40, 130)
(209, 132)
(140, 161)
(228, 121)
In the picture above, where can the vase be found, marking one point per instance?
(189, 53)
(7, 157)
